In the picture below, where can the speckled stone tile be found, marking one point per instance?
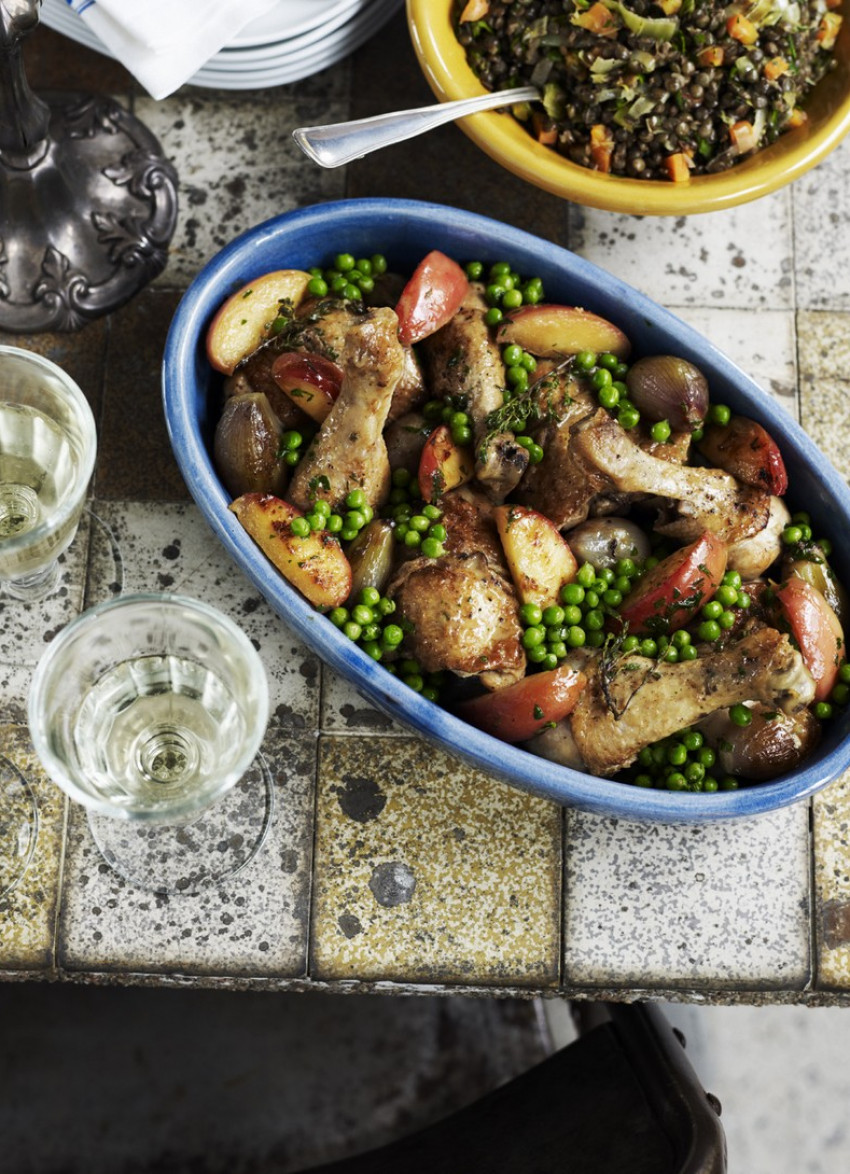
(831, 836)
(824, 344)
(27, 628)
(345, 711)
(169, 547)
(831, 843)
(237, 165)
(821, 201)
(718, 906)
(428, 871)
(738, 259)
(761, 342)
(251, 925)
(28, 911)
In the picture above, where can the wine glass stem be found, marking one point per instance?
(29, 588)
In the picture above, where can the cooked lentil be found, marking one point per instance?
(654, 89)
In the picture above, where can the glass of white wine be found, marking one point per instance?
(47, 451)
(150, 710)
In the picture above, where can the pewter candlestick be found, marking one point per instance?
(88, 203)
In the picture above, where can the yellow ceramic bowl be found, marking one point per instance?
(443, 61)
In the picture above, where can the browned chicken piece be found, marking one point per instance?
(468, 519)
(704, 499)
(637, 701)
(327, 323)
(464, 616)
(405, 438)
(560, 487)
(462, 360)
(349, 451)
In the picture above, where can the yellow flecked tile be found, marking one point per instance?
(831, 841)
(823, 342)
(429, 871)
(825, 416)
(28, 911)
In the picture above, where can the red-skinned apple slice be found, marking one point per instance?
(817, 631)
(519, 711)
(539, 558)
(245, 319)
(311, 381)
(432, 296)
(669, 596)
(550, 332)
(443, 465)
(747, 451)
(315, 564)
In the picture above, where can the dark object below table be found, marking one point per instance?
(621, 1099)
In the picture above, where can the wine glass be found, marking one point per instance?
(47, 450)
(149, 710)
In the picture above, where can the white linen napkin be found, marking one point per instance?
(164, 42)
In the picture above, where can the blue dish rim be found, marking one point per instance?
(402, 225)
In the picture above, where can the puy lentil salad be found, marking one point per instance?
(653, 89)
(641, 558)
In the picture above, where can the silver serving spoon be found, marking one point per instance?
(341, 142)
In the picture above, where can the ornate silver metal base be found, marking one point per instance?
(85, 217)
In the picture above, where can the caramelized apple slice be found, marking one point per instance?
(671, 594)
(315, 564)
(443, 465)
(553, 331)
(312, 382)
(744, 449)
(245, 319)
(519, 711)
(817, 631)
(539, 559)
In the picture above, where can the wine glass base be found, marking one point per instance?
(18, 826)
(30, 588)
(188, 857)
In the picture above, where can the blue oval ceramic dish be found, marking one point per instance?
(404, 231)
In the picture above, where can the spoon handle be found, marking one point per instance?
(341, 142)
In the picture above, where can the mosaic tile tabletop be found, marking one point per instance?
(385, 865)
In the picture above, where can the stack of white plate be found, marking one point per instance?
(294, 39)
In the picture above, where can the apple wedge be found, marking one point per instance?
(245, 319)
(550, 332)
(539, 558)
(312, 382)
(817, 630)
(443, 465)
(519, 711)
(670, 595)
(747, 451)
(316, 564)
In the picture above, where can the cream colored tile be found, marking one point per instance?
(428, 871)
(824, 343)
(831, 837)
(821, 203)
(825, 415)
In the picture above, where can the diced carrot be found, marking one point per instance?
(598, 19)
(669, 7)
(711, 55)
(601, 147)
(545, 130)
(775, 68)
(678, 167)
(475, 10)
(743, 136)
(741, 29)
(828, 29)
(797, 118)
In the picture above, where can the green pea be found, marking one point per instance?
(706, 757)
(512, 355)
(741, 715)
(648, 647)
(709, 631)
(719, 414)
(512, 299)
(688, 652)
(585, 360)
(528, 362)
(823, 711)
(552, 616)
(628, 418)
(437, 531)
(681, 638)
(300, 527)
(792, 535)
(594, 620)
(493, 316)
(369, 596)
(631, 644)
(537, 654)
(595, 639)
(576, 636)
(572, 593)
(643, 780)
(474, 270)
(726, 596)
(352, 630)
(676, 781)
(844, 673)
(840, 693)
(317, 287)
(572, 614)
(712, 610)
(431, 548)
(607, 361)
(661, 431)
(412, 538)
(392, 635)
(343, 262)
(608, 397)
(534, 636)
(379, 263)
(601, 378)
(338, 616)
(334, 524)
